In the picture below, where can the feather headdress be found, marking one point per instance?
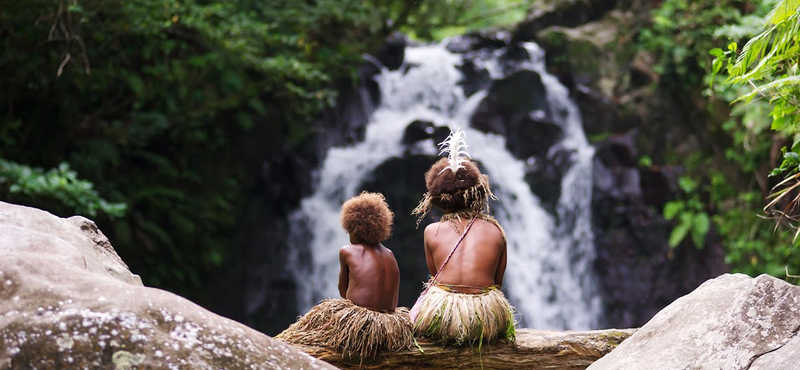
(455, 145)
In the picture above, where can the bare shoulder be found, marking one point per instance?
(384, 249)
(348, 250)
(492, 229)
(431, 228)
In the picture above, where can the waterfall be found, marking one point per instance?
(549, 274)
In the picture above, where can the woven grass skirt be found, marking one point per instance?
(459, 318)
(345, 327)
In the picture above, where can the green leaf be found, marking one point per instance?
(672, 208)
(678, 234)
(717, 52)
(700, 226)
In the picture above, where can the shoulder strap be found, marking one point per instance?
(469, 225)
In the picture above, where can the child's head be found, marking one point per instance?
(465, 190)
(367, 218)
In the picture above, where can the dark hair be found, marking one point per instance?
(367, 218)
(465, 189)
(464, 192)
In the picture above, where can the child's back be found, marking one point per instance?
(369, 276)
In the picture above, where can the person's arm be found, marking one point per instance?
(428, 253)
(397, 291)
(344, 273)
(501, 267)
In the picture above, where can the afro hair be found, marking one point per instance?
(367, 218)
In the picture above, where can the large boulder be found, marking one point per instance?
(68, 301)
(731, 322)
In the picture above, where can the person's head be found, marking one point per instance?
(367, 218)
(464, 191)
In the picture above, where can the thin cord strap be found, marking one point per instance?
(433, 279)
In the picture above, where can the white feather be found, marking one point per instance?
(455, 145)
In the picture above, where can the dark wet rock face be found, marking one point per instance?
(392, 53)
(516, 107)
(639, 273)
(475, 78)
(477, 41)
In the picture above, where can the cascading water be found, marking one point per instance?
(548, 278)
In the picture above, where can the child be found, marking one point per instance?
(366, 320)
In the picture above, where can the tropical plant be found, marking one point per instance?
(767, 68)
(768, 63)
(60, 184)
(690, 214)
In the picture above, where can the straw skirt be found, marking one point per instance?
(352, 330)
(459, 318)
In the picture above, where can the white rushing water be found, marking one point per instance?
(549, 276)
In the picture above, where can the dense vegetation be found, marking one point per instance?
(726, 182)
(153, 117)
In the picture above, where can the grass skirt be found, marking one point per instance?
(459, 318)
(350, 329)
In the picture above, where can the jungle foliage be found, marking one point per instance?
(766, 71)
(158, 113)
(728, 181)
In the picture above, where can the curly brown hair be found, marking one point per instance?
(464, 192)
(367, 218)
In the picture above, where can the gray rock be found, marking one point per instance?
(731, 322)
(75, 241)
(68, 301)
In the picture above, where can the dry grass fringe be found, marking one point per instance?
(458, 318)
(351, 330)
(475, 198)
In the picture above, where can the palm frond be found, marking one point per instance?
(782, 11)
(774, 85)
(775, 40)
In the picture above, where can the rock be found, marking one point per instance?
(516, 107)
(567, 13)
(68, 301)
(392, 52)
(475, 78)
(477, 40)
(731, 322)
(597, 54)
(544, 176)
(534, 349)
(598, 114)
(418, 130)
(30, 232)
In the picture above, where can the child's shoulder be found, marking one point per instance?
(349, 248)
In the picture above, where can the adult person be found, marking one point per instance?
(466, 255)
(366, 320)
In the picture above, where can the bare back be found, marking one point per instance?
(369, 276)
(479, 261)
